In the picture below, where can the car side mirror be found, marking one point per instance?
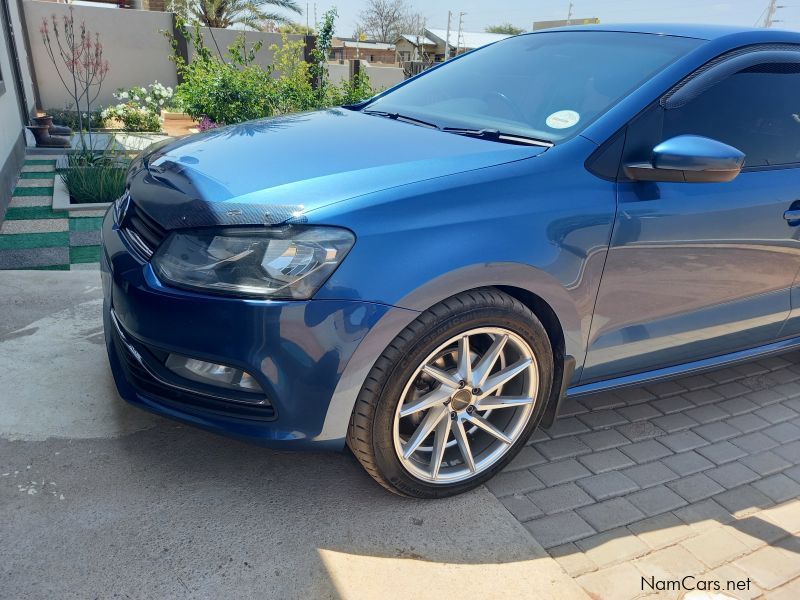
(689, 159)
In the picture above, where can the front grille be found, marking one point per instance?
(141, 364)
(142, 231)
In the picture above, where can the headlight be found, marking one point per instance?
(291, 262)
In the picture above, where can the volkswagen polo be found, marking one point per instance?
(429, 275)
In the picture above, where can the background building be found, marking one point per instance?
(369, 50)
(433, 45)
(564, 23)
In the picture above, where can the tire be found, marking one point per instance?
(380, 433)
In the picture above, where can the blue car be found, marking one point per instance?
(428, 276)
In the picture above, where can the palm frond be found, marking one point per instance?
(285, 4)
(251, 13)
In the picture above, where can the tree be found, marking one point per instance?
(296, 28)
(224, 13)
(386, 20)
(81, 54)
(506, 28)
(413, 23)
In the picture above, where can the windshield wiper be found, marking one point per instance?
(400, 117)
(499, 136)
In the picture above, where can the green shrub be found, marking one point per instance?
(133, 117)
(354, 91)
(139, 107)
(221, 91)
(69, 118)
(293, 89)
(91, 177)
(226, 93)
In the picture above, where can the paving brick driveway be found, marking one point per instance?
(698, 476)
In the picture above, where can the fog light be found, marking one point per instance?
(212, 373)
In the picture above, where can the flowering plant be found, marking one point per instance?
(139, 107)
(132, 117)
(81, 54)
(154, 97)
(205, 124)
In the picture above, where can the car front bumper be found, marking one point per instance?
(310, 357)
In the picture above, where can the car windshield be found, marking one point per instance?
(546, 86)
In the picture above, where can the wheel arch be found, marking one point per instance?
(544, 312)
(547, 298)
(563, 365)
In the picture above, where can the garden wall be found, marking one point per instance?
(338, 72)
(136, 50)
(226, 37)
(138, 53)
(381, 78)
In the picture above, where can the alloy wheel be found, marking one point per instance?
(466, 405)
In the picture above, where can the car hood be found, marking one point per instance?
(272, 170)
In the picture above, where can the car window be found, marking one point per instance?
(756, 110)
(546, 85)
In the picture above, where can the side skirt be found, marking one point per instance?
(707, 364)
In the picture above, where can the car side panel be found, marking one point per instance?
(541, 224)
(694, 271)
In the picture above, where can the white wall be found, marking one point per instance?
(381, 78)
(338, 72)
(22, 52)
(10, 119)
(136, 50)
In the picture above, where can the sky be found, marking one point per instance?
(523, 13)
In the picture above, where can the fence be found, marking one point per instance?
(139, 53)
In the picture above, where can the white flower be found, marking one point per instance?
(148, 99)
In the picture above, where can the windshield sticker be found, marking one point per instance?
(563, 119)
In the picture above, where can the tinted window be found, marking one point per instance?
(756, 111)
(548, 85)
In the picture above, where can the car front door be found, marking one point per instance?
(697, 270)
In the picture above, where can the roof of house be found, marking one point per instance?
(469, 39)
(410, 37)
(352, 42)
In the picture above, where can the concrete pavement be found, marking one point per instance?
(99, 500)
(630, 492)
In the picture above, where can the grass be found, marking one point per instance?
(94, 178)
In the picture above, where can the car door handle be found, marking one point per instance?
(793, 216)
